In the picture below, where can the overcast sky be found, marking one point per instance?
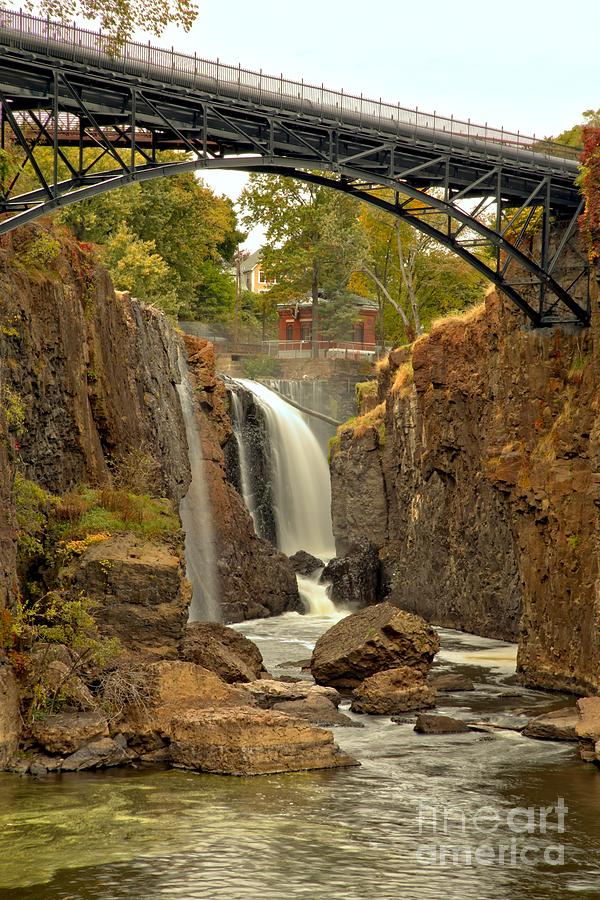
(525, 65)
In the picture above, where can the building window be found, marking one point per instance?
(262, 278)
(289, 332)
(359, 333)
(306, 331)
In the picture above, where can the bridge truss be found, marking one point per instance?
(507, 204)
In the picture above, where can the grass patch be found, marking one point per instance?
(404, 380)
(471, 314)
(108, 511)
(366, 394)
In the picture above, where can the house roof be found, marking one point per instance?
(251, 261)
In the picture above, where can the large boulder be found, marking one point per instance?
(354, 578)
(222, 650)
(171, 687)
(140, 593)
(10, 717)
(305, 563)
(374, 639)
(558, 725)
(393, 691)
(68, 731)
(247, 741)
(99, 754)
(450, 682)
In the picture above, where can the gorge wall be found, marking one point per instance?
(94, 376)
(477, 476)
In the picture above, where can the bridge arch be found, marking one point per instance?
(57, 91)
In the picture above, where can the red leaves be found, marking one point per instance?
(590, 182)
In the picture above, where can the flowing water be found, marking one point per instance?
(346, 834)
(300, 485)
(196, 517)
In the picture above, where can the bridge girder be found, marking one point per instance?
(477, 204)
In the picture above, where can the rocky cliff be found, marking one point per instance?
(94, 372)
(478, 478)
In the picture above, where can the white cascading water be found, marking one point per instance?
(196, 517)
(300, 488)
(237, 418)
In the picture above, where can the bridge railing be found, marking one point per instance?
(82, 45)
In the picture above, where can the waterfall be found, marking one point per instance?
(237, 421)
(299, 478)
(300, 486)
(195, 512)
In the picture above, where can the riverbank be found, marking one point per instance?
(331, 834)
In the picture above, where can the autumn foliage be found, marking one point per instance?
(590, 183)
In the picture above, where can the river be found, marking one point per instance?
(345, 834)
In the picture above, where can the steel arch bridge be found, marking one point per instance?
(472, 188)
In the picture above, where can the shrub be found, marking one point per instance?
(136, 470)
(261, 367)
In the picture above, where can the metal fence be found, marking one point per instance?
(83, 46)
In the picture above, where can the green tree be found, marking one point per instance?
(314, 239)
(120, 18)
(413, 278)
(137, 267)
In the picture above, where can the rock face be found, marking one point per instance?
(10, 716)
(8, 545)
(140, 593)
(559, 725)
(393, 691)
(222, 650)
(354, 578)
(248, 741)
(95, 372)
(369, 641)
(255, 579)
(487, 487)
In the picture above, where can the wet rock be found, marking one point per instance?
(171, 688)
(66, 732)
(37, 769)
(223, 650)
(10, 716)
(428, 723)
(305, 563)
(266, 693)
(374, 639)
(354, 578)
(451, 682)
(393, 691)
(49, 763)
(295, 664)
(558, 725)
(102, 753)
(587, 728)
(140, 592)
(247, 741)
(318, 710)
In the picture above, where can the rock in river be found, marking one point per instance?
(432, 724)
(393, 691)
(374, 639)
(223, 650)
(249, 741)
(558, 725)
(305, 563)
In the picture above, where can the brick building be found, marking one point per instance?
(295, 329)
